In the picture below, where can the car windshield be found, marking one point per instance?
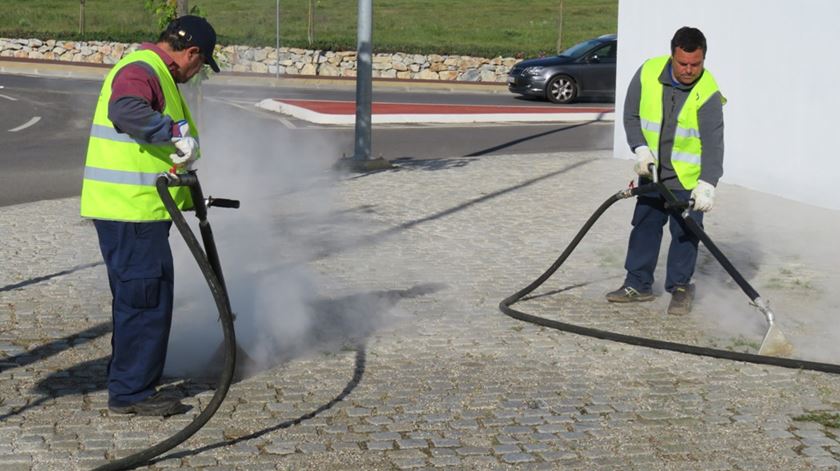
(580, 48)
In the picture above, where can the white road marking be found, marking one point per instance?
(249, 106)
(27, 124)
(8, 97)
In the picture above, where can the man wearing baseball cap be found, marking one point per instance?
(142, 127)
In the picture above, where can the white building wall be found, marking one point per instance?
(778, 65)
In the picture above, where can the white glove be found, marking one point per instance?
(187, 147)
(187, 151)
(644, 158)
(704, 196)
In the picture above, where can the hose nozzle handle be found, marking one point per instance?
(222, 202)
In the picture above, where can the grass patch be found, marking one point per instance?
(826, 419)
(469, 27)
(794, 277)
(739, 343)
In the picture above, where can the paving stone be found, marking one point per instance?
(410, 444)
(515, 458)
(380, 445)
(311, 447)
(471, 450)
(445, 461)
(280, 448)
(445, 442)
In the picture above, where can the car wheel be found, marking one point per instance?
(561, 89)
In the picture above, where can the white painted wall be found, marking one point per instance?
(777, 63)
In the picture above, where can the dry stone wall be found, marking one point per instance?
(290, 61)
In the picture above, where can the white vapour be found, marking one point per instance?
(271, 289)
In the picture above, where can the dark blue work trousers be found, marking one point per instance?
(141, 275)
(649, 218)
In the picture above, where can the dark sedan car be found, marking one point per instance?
(583, 70)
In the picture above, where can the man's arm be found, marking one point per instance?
(632, 122)
(710, 122)
(137, 103)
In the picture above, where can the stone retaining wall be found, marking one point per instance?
(291, 61)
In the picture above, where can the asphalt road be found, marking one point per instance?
(44, 125)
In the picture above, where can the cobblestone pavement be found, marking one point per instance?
(406, 361)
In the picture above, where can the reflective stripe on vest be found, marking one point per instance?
(120, 176)
(688, 146)
(120, 171)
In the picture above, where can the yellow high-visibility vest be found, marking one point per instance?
(120, 171)
(688, 144)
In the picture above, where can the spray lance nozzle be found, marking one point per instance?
(764, 307)
(775, 343)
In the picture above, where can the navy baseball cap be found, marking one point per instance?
(197, 32)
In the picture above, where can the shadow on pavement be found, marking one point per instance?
(568, 288)
(54, 347)
(39, 279)
(411, 163)
(579, 100)
(333, 325)
(378, 237)
(358, 372)
(85, 377)
(514, 142)
(337, 324)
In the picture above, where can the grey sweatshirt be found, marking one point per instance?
(674, 94)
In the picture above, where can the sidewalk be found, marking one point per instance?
(371, 302)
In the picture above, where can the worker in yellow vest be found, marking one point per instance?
(142, 127)
(673, 119)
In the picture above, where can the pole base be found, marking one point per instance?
(362, 165)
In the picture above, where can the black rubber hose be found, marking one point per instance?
(219, 293)
(676, 205)
(505, 305)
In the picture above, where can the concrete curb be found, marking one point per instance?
(313, 116)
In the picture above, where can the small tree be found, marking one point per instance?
(182, 8)
(81, 16)
(167, 10)
(560, 29)
(310, 30)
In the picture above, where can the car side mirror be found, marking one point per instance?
(594, 59)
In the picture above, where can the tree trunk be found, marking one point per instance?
(81, 16)
(560, 29)
(182, 8)
(310, 31)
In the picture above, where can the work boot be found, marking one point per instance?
(626, 294)
(681, 299)
(157, 405)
